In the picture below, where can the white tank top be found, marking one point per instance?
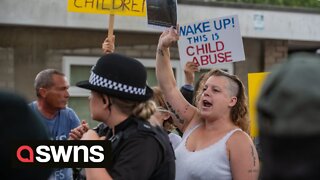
(210, 163)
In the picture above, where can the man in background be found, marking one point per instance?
(51, 105)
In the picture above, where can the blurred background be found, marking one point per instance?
(37, 34)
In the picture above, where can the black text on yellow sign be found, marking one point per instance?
(119, 7)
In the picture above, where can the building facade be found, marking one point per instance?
(36, 34)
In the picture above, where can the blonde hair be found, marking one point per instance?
(239, 112)
(198, 88)
(159, 99)
(142, 110)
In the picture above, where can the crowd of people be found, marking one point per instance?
(197, 131)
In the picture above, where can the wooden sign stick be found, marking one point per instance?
(111, 23)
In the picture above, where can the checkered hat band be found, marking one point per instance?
(97, 80)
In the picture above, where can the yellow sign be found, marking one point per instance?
(255, 82)
(118, 7)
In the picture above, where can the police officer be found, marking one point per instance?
(120, 99)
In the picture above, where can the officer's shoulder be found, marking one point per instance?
(144, 126)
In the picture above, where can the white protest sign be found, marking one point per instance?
(211, 42)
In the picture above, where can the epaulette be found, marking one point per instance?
(140, 127)
(145, 127)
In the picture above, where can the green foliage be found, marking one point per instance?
(286, 3)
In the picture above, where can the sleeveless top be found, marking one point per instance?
(209, 163)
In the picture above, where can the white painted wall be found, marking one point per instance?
(53, 13)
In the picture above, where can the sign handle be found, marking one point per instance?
(111, 23)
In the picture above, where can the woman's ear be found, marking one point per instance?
(233, 101)
(166, 115)
(105, 101)
(108, 100)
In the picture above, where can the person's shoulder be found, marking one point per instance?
(11, 102)
(16, 113)
(144, 129)
(174, 136)
(174, 139)
(144, 126)
(238, 134)
(69, 111)
(136, 128)
(70, 114)
(32, 105)
(9, 97)
(139, 131)
(239, 138)
(20, 125)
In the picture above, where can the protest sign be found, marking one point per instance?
(211, 42)
(162, 13)
(112, 7)
(255, 82)
(118, 7)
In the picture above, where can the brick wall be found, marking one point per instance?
(28, 50)
(6, 69)
(253, 63)
(275, 52)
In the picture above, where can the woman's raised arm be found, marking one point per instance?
(183, 111)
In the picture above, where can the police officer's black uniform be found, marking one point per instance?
(141, 151)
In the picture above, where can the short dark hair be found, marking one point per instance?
(44, 79)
